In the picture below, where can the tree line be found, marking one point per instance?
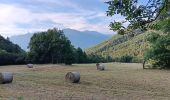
(53, 46)
(50, 46)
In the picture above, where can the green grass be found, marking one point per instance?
(118, 81)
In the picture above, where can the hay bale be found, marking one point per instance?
(73, 77)
(30, 65)
(100, 67)
(6, 77)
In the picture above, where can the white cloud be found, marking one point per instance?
(10, 15)
(104, 0)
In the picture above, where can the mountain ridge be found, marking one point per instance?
(82, 39)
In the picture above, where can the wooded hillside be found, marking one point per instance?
(10, 53)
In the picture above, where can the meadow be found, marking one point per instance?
(120, 81)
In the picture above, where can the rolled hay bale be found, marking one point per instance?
(6, 77)
(101, 67)
(30, 65)
(73, 77)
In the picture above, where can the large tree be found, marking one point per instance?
(139, 15)
(159, 52)
(50, 47)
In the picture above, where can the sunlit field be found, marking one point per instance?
(118, 81)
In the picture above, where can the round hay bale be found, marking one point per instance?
(6, 77)
(73, 77)
(30, 65)
(101, 67)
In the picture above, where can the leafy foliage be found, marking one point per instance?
(138, 15)
(50, 47)
(94, 58)
(159, 52)
(8, 46)
(81, 56)
(125, 59)
(10, 53)
(163, 25)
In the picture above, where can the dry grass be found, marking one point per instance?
(118, 81)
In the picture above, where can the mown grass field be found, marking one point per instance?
(117, 82)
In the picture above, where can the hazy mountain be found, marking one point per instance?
(83, 39)
(21, 40)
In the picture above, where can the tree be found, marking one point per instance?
(81, 56)
(159, 52)
(50, 46)
(139, 16)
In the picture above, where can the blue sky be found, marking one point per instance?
(23, 16)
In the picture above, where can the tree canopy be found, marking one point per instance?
(50, 47)
(159, 52)
(137, 14)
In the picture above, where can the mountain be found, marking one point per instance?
(22, 40)
(121, 45)
(83, 39)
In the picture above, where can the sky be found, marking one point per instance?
(28, 16)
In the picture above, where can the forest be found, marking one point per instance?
(51, 46)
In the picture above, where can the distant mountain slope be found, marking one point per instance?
(83, 39)
(120, 45)
(22, 40)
